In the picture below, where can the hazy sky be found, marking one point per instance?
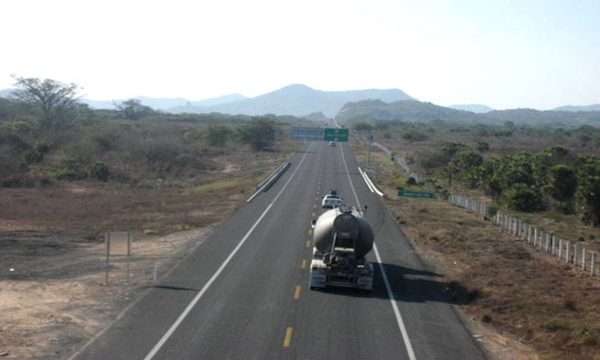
(501, 53)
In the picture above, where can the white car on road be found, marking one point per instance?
(331, 200)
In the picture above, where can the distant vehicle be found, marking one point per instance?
(331, 200)
(332, 143)
(342, 239)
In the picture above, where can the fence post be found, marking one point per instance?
(583, 258)
(567, 251)
(593, 263)
(560, 247)
(547, 243)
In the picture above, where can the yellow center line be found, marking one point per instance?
(297, 292)
(288, 337)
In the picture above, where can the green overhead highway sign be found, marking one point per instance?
(336, 134)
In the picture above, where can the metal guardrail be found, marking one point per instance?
(266, 184)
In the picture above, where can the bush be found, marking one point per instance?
(71, 169)
(218, 135)
(482, 146)
(524, 198)
(414, 136)
(33, 156)
(260, 134)
(100, 171)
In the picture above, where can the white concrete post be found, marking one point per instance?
(583, 258)
(560, 247)
(547, 247)
(593, 263)
(567, 251)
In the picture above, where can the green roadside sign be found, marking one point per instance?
(335, 134)
(416, 194)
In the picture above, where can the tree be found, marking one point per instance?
(133, 109)
(524, 198)
(562, 185)
(588, 173)
(218, 135)
(260, 134)
(54, 99)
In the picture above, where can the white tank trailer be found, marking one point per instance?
(342, 238)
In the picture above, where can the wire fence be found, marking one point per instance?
(568, 252)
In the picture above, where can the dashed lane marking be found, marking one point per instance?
(297, 292)
(287, 340)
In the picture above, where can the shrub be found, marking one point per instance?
(218, 135)
(414, 136)
(524, 198)
(100, 171)
(260, 134)
(363, 126)
(33, 156)
(482, 146)
(71, 169)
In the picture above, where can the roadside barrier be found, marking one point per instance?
(266, 184)
(568, 252)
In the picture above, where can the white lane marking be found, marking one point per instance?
(388, 288)
(364, 179)
(198, 296)
(370, 182)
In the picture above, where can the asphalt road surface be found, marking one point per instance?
(243, 293)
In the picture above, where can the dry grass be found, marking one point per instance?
(542, 309)
(55, 297)
(535, 299)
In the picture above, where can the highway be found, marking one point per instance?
(243, 294)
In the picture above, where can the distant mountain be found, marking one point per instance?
(416, 111)
(573, 108)
(300, 100)
(193, 106)
(537, 117)
(318, 116)
(166, 104)
(406, 110)
(474, 108)
(6, 93)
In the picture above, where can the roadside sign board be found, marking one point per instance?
(306, 133)
(416, 194)
(336, 134)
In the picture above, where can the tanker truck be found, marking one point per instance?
(342, 238)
